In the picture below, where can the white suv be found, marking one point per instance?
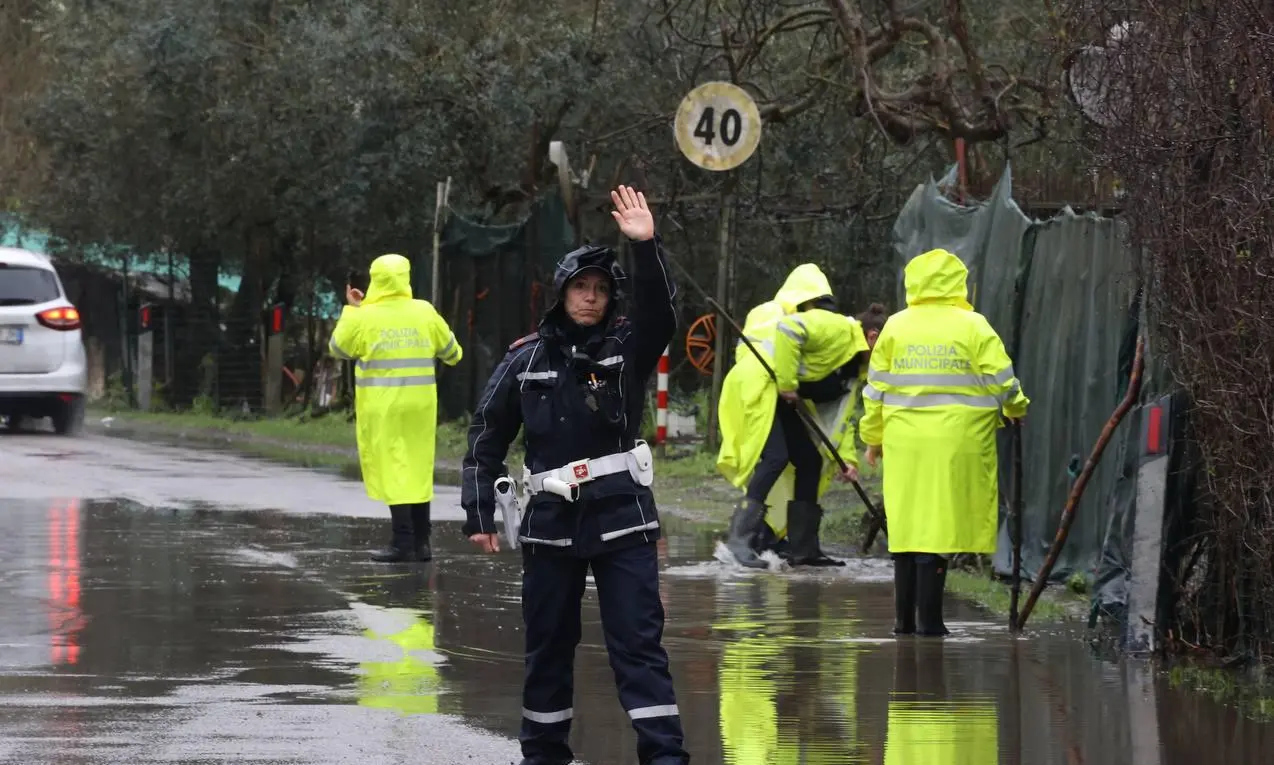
(43, 370)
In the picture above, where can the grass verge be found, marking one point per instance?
(1056, 604)
(1251, 691)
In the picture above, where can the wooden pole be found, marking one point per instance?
(1077, 491)
(168, 323)
(723, 275)
(440, 207)
(1015, 529)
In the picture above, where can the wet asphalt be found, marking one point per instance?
(168, 605)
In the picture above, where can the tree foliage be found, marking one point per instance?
(286, 140)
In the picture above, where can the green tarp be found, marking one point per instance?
(496, 282)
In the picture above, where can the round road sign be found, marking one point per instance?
(718, 126)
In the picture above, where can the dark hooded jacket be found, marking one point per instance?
(577, 393)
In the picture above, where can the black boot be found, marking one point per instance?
(810, 521)
(904, 594)
(821, 558)
(421, 529)
(824, 559)
(744, 525)
(402, 543)
(765, 539)
(931, 580)
(803, 519)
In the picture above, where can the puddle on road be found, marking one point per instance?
(157, 635)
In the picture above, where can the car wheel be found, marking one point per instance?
(68, 419)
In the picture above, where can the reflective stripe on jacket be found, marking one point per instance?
(393, 341)
(939, 379)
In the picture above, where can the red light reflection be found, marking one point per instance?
(65, 617)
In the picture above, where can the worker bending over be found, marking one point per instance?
(834, 401)
(801, 338)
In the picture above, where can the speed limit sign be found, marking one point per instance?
(718, 126)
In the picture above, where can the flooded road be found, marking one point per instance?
(153, 633)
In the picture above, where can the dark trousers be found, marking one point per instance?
(411, 520)
(789, 442)
(632, 621)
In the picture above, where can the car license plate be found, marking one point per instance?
(10, 335)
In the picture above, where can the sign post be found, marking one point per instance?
(145, 367)
(275, 324)
(718, 127)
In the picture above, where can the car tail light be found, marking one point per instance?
(62, 319)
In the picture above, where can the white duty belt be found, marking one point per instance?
(566, 480)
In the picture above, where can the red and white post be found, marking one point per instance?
(661, 401)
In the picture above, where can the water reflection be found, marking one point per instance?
(65, 618)
(407, 679)
(200, 618)
(788, 678)
(927, 725)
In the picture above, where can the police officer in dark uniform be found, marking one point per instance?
(576, 387)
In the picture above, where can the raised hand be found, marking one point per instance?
(632, 214)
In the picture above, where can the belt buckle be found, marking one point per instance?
(578, 471)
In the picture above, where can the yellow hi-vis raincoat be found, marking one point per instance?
(393, 341)
(748, 394)
(939, 378)
(837, 420)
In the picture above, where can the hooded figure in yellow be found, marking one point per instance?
(938, 384)
(394, 341)
(803, 339)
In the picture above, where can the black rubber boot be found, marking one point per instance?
(421, 528)
(824, 559)
(746, 522)
(931, 580)
(402, 542)
(765, 539)
(904, 594)
(803, 519)
(814, 517)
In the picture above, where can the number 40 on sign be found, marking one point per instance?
(718, 126)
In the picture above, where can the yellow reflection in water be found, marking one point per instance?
(787, 685)
(409, 685)
(925, 724)
(942, 734)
